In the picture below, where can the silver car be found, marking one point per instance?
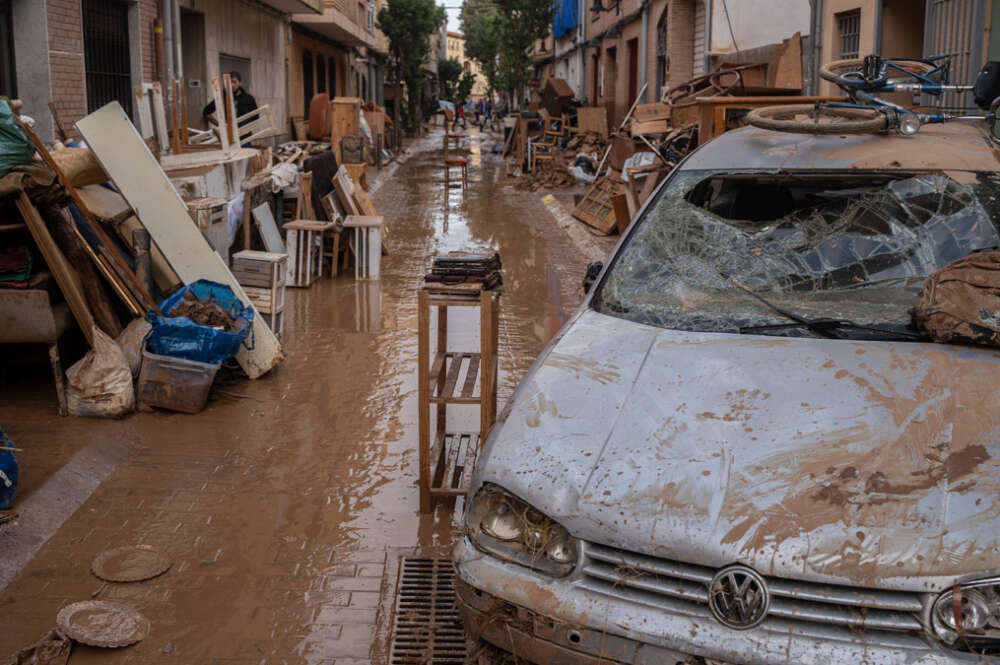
(739, 449)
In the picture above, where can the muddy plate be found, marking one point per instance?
(101, 623)
(130, 564)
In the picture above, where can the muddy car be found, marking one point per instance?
(739, 448)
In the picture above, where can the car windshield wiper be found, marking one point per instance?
(823, 327)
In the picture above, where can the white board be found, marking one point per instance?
(269, 229)
(132, 167)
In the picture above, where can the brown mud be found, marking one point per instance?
(286, 503)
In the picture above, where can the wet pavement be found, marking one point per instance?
(287, 503)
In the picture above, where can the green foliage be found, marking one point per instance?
(408, 24)
(449, 73)
(465, 85)
(480, 22)
(499, 34)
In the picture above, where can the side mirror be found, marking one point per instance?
(593, 271)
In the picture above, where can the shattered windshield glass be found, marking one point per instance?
(854, 246)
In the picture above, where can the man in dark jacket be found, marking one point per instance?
(244, 101)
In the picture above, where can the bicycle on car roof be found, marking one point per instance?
(866, 113)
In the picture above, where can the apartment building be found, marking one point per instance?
(608, 50)
(851, 29)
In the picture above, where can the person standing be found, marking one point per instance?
(243, 99)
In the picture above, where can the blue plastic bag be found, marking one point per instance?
(8, 472)
(179, 337)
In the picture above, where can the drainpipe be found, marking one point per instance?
(643, 48)
(709, 12)
(877, 41)
(166, 8)
(178, 58)
(817, 44)
(581, 15)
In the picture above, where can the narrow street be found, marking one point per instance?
(286, 504)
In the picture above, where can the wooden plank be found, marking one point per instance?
(125, 157)
(622, 219)
(268, 229)
(453, 369)
(471, 452)
(592, 119)
(468, 389)
(785, 69)
(451, 472)
(344, 187)
(423, 400)
(649, 112)
(64, 274)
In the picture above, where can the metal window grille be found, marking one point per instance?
(8, 76)
(849, 25)
(371, 16)
(107, 54)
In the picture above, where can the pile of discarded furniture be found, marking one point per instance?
(136, 239)
(559, 144)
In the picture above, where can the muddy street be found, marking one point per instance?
(286, 504)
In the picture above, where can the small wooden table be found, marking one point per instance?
(304, 243)
(367, 244)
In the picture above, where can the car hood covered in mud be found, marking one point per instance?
(865, 463)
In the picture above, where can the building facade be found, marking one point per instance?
(850, 29)
(610, 50)
(455, 50)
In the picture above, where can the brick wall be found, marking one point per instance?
(66, 59)
(680, 40)
(65, 27)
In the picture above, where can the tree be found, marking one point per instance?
(449, 73)
(522, 23)
(465, 85)
(408, 25)
(499, 35)
(480, 23)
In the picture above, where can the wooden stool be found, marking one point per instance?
(448, 377)
(367, 244)
(305, 251)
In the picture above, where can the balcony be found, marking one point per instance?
(293, 6)
(343, 21)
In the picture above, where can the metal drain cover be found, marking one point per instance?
(426, 625)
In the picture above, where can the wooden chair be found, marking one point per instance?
(454, 162)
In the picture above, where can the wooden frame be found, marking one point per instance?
(446, 462)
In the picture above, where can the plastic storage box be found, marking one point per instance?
(172, 383)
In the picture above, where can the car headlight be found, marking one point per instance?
(510, 529)
(978, 613)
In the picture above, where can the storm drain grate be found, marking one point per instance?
(427, 629)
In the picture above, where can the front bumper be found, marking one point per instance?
(556, 621)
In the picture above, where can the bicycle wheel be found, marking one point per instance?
(835, 71)
(807, 119)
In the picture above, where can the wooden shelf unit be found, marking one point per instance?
(447, 377)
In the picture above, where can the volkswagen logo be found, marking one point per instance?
(738, 597)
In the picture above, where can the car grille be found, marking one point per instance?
(888, 618)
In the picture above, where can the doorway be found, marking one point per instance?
(633, 70)
(232, 63)
(196, 91)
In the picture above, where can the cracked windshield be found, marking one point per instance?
(857, 248)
